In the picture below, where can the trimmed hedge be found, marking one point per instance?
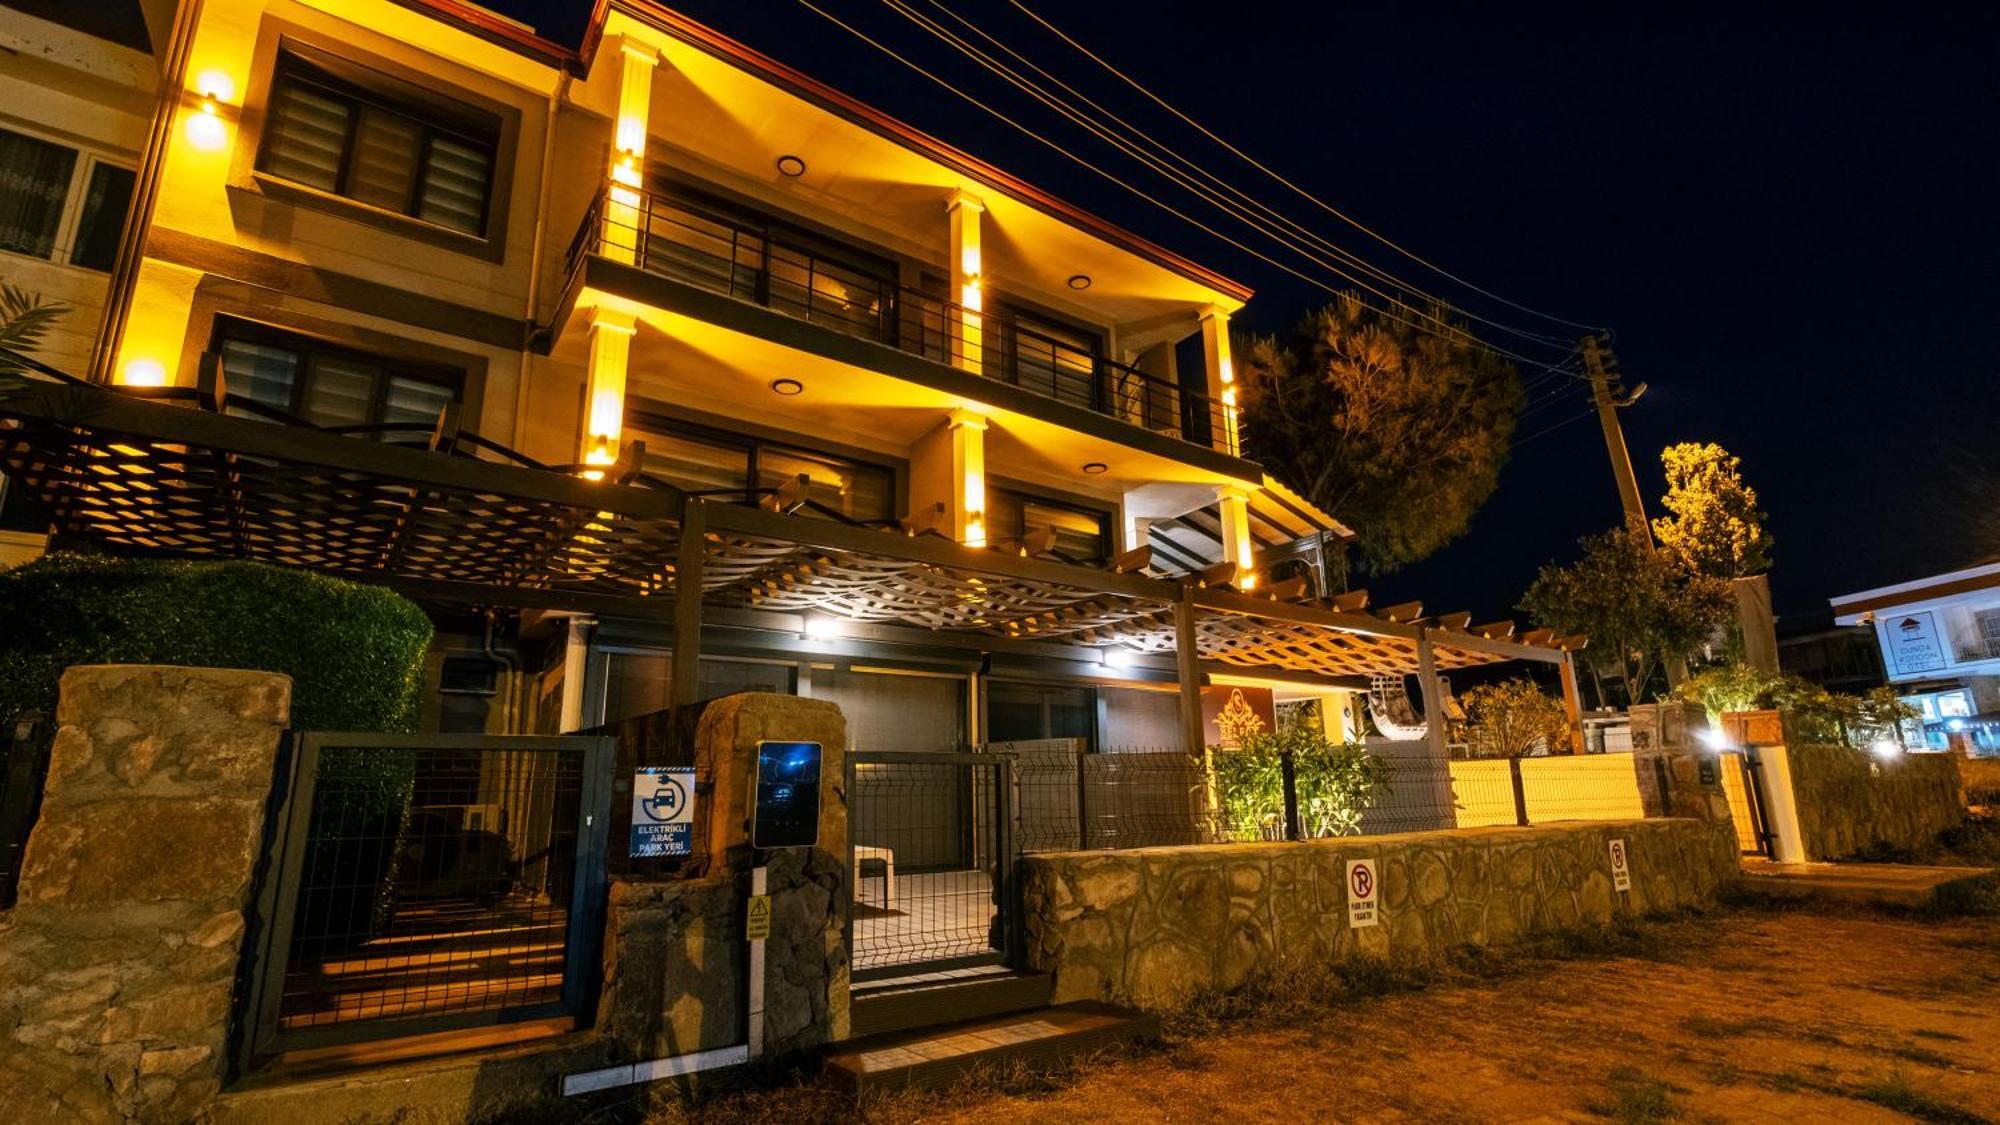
(355, 653)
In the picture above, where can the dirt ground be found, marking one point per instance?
(1748, 1015)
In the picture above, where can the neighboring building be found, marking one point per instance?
(78, 83)
(382, 214)
(1837, 658)
(1940, 642)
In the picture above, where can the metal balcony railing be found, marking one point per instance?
(674, 239)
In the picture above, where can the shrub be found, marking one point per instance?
(1336, 784)
(1814, 713)
(1514, 718)
(355, 653)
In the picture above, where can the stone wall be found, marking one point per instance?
(1850, 802)
(1156, 925)
(118, 964)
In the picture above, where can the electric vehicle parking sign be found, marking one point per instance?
(662, 811)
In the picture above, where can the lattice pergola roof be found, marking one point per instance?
(147, 476)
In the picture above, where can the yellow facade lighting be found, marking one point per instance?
(206, 130)
(142, 372)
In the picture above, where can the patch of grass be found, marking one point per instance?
(1966, 898)
(1897, 1092)
(1923, 1056)
(1708, 1027)
(1635, 1098)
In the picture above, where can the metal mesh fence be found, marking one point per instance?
(432, 882)
(929, 839)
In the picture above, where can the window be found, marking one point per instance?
(1050, 357)
(60, 204)
(1986, 642)
(429, 160)
(329, 385)
(1082, 535)
(706, 461)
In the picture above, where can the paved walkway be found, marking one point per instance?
(1870, 884)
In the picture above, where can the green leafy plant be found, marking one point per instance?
(1811, 712)
(1637, 608)
(1513, 718)
(25, 321)
(1336, 783)
(354, 652)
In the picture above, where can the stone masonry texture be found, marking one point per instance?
(1155, 926)
(1851, 802)
(117, 965)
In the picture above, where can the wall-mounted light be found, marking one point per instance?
(142, 373)
(821, 627)
(205, 128)
(1079, 281)
(791, 166)
(1096, 467)
(1885, 747)
(787, 387)
(1119, 657)
(1716, 740)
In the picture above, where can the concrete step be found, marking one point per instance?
(1905, 885)
(900, 1005)
(937, 1056)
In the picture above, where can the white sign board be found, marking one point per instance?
(1364, 892)
(1621, 867)
(662, 811)
(1912, 641)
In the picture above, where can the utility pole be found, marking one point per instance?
(1611, 396)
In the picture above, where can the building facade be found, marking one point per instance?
(1940, 643)
(664, 258)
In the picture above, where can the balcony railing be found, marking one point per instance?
(663, 236)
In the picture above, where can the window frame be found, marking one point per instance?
(433, 114)
(751, 445)
(1105, 516)
(69, 225)
(311, 346)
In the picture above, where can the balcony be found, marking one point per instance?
(666, 238)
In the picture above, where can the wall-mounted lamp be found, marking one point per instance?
(821, 627)
(142, 373)
(1119, 657)
(205, 127)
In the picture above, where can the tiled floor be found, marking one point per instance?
(938, 915)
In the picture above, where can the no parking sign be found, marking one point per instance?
(1621, 867)
(1364, 892)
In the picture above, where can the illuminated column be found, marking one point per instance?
(604, 392)
(964, 212)
(1237, 546)
(623, 207)
(948, 473)
(1221, 375)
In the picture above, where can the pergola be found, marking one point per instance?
(459, 519)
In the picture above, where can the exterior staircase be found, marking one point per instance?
(929, 1031)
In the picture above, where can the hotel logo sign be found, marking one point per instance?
(1913, 644)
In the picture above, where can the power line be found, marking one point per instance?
(1451, 331)
(1301, 192)
(1169, 153)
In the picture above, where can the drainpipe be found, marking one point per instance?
(509, 659)
(145, 190)
(529, 328)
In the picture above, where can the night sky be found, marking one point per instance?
(1786, 215)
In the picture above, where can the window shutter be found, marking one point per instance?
(415, 400)
(340, 391)
(307, 134)
(385, 159)
(260, 372)
(454, 188)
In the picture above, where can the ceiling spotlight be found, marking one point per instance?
(787, 386)
(1096, 467)
(1079, 281)
(792, 166)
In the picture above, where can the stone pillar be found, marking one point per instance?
(625, 205)
(1233, 506)
(604, 389)
(1667, 742)
(119, 962)
(968, 288)
(948, 475)
(1221, 374)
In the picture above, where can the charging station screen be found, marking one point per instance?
(787, 812)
